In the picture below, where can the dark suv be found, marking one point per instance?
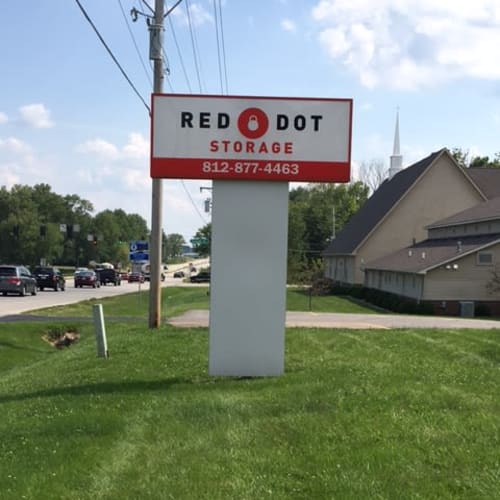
(49, 277)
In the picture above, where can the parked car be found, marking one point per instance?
(136, 277)
(179, 274)
(201, 277)
(87, 278)
(124, 275)
(49, 277)
(17, 279)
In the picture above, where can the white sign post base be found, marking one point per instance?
(248, 278)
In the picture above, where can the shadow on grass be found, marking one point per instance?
(10, 345)
(136, 386)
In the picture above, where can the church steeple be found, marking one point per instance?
(396, 158)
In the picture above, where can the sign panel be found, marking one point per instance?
(138, 251)
(138, 256)
(255, 138)
(139, 246)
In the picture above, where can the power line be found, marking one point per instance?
(221, 50)
(192, 201)
(219, 55)
(181, 59)
(135, 43)
(115, 60)
(194, 46)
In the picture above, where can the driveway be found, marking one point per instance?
(196, 318)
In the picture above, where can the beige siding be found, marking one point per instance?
(442, 191)
(468, 282)
(404, 284)
(340, 268)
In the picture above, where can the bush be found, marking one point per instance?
(482, 310)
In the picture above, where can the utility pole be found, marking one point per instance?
(155, 251)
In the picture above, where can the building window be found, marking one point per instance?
(484, 259)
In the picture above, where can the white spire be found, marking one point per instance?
(396, 158)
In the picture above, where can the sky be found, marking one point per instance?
(70, 119)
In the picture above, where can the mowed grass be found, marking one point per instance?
(357, 415)
(176, 300)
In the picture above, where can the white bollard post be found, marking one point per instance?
(100, 331)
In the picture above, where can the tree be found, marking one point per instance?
(173, 245)
(316, 211)
(373, 173)
(464, 159)
(205, 233)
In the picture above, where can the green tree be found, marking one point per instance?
(464, 159)
(315, 212)
(204, 248)
(173, 245)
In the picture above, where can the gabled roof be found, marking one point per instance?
(429, 254)
(487, 179)
(378, 206)
(488, 210)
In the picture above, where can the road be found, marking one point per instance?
(299, 319)
(12, 304)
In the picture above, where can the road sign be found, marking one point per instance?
(138, 256)
(198, 241)
(252, 138)
(138, 246)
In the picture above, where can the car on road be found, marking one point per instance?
(201, 277)
(87, 278)
(18, 280)
(49, 277)
(136, 277)
(109, 275)
(179, 274)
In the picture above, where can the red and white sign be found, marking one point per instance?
(256, 138)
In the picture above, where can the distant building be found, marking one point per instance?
(454, 265)
(429, 233)
(397, 213)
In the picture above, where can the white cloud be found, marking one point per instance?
(36, 115)
(100, 148)
(288, 25)
(14, 145)
(198, 14)
(3, 118)
(411, 44)
(136, 180)
(8, 177)
(137, 146)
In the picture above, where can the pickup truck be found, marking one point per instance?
(109, 276)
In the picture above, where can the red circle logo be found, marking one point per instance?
(253, 123)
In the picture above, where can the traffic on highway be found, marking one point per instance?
(14, 303)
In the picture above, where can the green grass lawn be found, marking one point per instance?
(177, 300)
(358, 414)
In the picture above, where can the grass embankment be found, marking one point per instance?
(177, 300)
(358, 414)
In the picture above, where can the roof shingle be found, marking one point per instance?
(377, 206)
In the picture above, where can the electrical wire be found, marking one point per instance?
(179, 53)
(192, 201)
(194, 47)
(221, 49)
(135, 44)
(115, 60)
(219, 55)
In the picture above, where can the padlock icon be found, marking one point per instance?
(253, 123)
